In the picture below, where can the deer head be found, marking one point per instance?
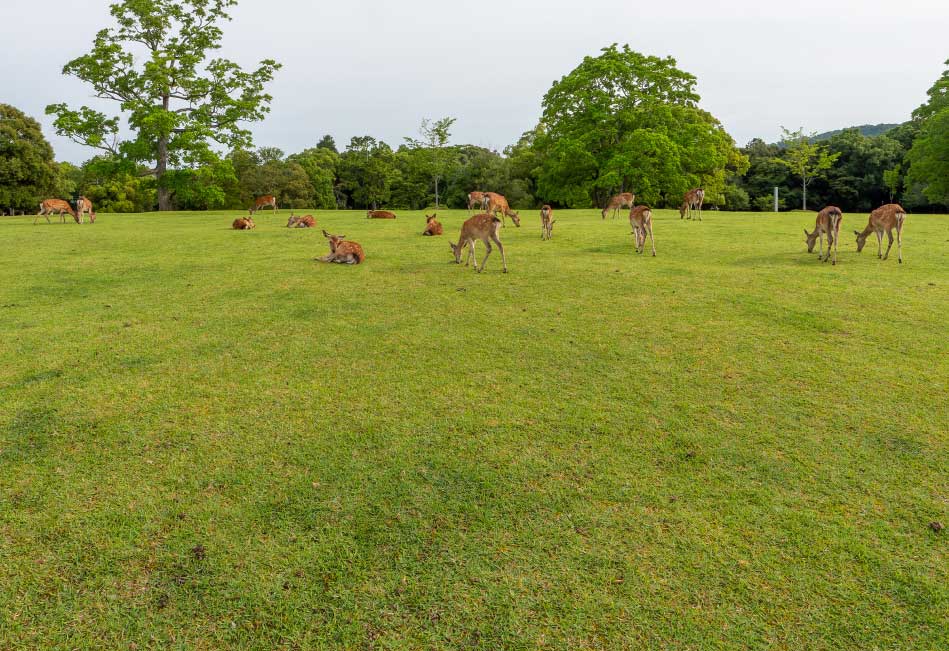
(515, 217)
(456, 249)
(861, 240)
(811, 239)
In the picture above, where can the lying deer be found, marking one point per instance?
(495, 203)
(640, 218)
(341, 251)
(691, 202)
(432, 226)
(243, 223)
(84, 207)
(622, 200)
(482, 227)
(379, 214)
(296, 221)
(55, 206)
(884, 218)
(828, 221)
(546, 222)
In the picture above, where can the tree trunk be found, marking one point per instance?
(161, 165)
(804, 207)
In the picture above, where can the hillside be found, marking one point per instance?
(865, 129)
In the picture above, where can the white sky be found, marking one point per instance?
(355, 67)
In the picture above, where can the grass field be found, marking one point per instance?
(208, 440)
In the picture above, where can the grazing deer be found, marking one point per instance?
(243, 223)
(296, 221)
(482, 227)
(885, 218)
(55, 206)
(546, 222)
(640, 218)
(828, 221)
(495, 203)
(262, 202)
(622, 200)
(341, 251)
(432, 226)
(84, 207)
(692, 201)
(379, 214)
(476, 200)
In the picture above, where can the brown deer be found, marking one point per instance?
(296, 221)
(475, 200)
(263, 202)
(622, 200)
(885, 218)
(484, 227)
(432, 226)
(547, 222)
(495, 203)
(692, 201)
(828, 221)
(55, 206)
(84, 207)
(640, 218)
(341, 251)
(243, 223)
(379, 214)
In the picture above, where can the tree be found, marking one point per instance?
(28, 173)
(435, 135)
(176, 100)
(367, 171)
(626, 121)
(929, 156)
(327, 142)
(320, 165)
(805, 159)
(893, 178)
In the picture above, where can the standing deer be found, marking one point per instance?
(828, 221)
(622, 200)
(476, 200)
(692, 201)
(379, 214)
(432, 226)
(84, 207)
(640, 218)
(341, 251)
(547, 222)
(296, 221)
(55, 206)
(495, 203)
(885, 218)
(484, 227)
(262, 202)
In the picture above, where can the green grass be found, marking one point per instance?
(208, 440)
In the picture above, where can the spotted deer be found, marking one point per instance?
(296, 221)
(495, 203)
(547, 222)
(640, 218)
(828, 221)
(691, 203)
(243, 223)
(486, 228)
(432, 226)
(55, 206)
(379, 214)
(884, 219)
(341, 251)
(84, 207)
(263, 202)
(622, 200)
(476, 200)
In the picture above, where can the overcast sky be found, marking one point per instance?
(355, 67)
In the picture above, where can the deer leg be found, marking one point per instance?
(501, 249)
(879, 244)
(487, 253)
(899, 241)
(652, 241)
(889, 235)
(470, 245)
(700, 212)
(820, 250)
(830, 244)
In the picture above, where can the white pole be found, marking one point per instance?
(775, 198)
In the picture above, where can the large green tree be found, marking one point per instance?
(28, 173)
(624, 121)
(434, 137)
(178, 102)
(806, 159)
(929, 155)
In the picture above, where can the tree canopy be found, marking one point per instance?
(929, 155)
(28, 173)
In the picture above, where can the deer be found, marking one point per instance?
(476, 200)
(484, 227)
(622, 200)
(341, 251)
(640, 218)
(546, 222)
(692, 201)
(828, 221)
(885, 218)
(296, 221)
(263, 202)
(494, 203)
(379, 214)
(55, 206)
(243, 223)
(84, 207)
(432, 226)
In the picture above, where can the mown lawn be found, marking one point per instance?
(208, 440)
